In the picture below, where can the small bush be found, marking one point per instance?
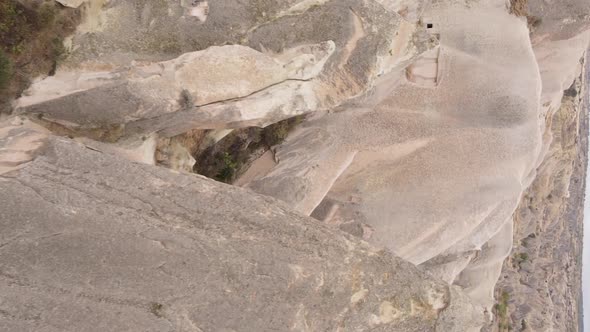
(5, 69)
(58, 50)
(501, 309)
(31, 35)
(228, 170)
(156, 309)
(520, 258)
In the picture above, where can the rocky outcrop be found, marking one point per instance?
(336, 53)
(426, 124)
(91, 241)
(166, 96)
(542, 276)
(541, 280)
(433, 169)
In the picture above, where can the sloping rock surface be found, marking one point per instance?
(436, 121)
(297, 57)
(432, 171)
(542, 276)
(93, 242)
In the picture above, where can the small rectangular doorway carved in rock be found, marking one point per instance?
(429, 25)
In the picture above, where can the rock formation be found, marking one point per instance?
(91, 241)
(426, 123)
(542, 277)
(336, 53)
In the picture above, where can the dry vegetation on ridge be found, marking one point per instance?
(31, 43)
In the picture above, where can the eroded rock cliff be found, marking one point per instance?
(541, 280)
(426, 123)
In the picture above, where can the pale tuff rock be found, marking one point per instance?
(91, 241)
(188, 83)
(427, 123)
(437, 166)
(336, 53)
(543, 273)
(437, 204)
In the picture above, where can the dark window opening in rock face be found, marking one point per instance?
(429, 25)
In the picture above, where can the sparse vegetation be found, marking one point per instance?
(519, 259)
(5, 69)
(31, 43)
(501, 309)
(227, 159)
(156, 309)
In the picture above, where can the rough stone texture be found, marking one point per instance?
(433, 169)
(543, 274)
(154, 91)
(313, 56)
(92, 242)
(430, 163)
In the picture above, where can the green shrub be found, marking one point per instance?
(520, 258)
(5, 69)
(229, 168)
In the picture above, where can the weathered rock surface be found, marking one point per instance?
(451, 166)
(92, 242)
(152, 92)
(335, 53)
(432, 171)
(564, 21)
(542, 277)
